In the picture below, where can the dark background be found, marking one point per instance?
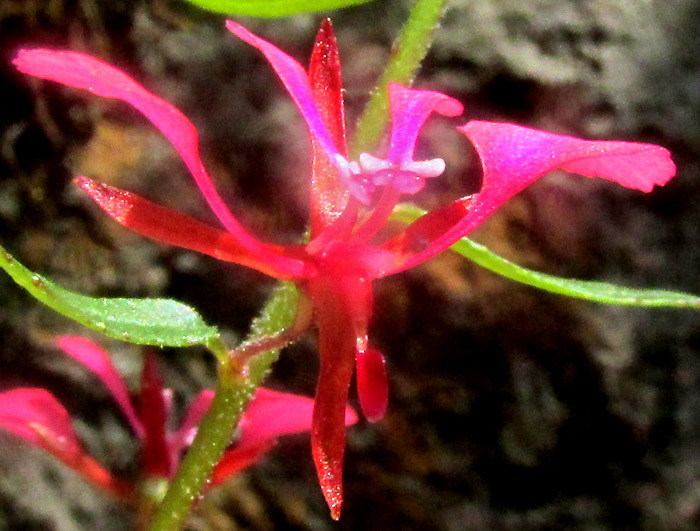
(510, 408)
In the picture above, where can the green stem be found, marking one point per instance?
(213, 436)
(230, 400)
(406, 55)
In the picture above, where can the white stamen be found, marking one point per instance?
(343, 165)
(354, 179)
(371, 164)
(425, 168)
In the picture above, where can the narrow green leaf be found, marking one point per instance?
(272, 8)
(161, 322)
(601, 292)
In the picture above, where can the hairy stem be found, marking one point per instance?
(215, 432)
(408, 51)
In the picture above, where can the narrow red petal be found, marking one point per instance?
(420, 234)
(36, 416)
(156, 459)
(85, 72)
(512, 157)
(328, 433)
(236, 459)
(188, 429)
(328, 194)
(372, 385)
(173, 228)
(99, 362)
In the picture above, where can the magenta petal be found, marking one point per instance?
(36, 416)
(513, 157)
(85, 72)
(188, 429)
(372, 386)
(296, 81)
(410, 108)
(97, 360)
(271, 414)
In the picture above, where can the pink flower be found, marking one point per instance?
(38, 418)
(351, 200)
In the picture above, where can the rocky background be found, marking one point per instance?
(510, 408)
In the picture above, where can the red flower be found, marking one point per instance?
(37, 417)
(350, 202)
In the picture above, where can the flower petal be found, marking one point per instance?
(410, 109)
(512, 157)
(173, 228)
(188, 429)
(36, 416)
(85, 72)
(329, 196)
(296, 81)
(271, 414)
(236, 459)
(372, 386)
(98, 361)
(156, 458)
(328, 433)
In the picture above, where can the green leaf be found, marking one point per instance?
(161, 322)
(272, 8)
(601, 292)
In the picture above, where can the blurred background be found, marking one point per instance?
(510, 408)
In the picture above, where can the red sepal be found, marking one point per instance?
(173, 228)
(328, 195)
(420, 234)
(85, 72)
(343, 304)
